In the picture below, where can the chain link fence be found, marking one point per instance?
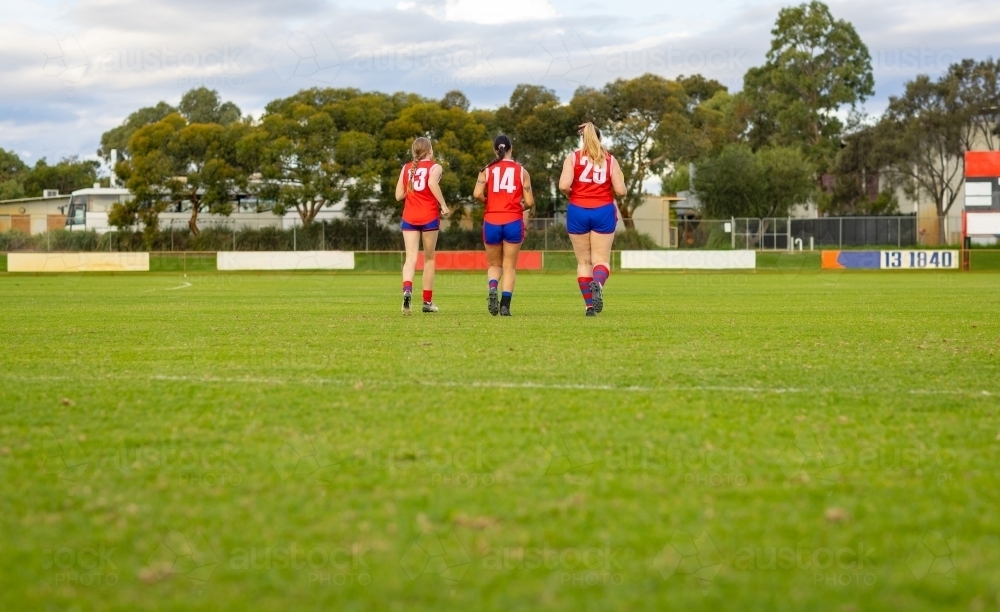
(785, 233)
(252, 233)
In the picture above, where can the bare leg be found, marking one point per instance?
(582, 248)
(430, 243)
(510, 252)
(600, 249)
(412, 242)
(494, 257)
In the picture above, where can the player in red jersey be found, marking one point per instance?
(591, 178)
(501, 186)
(419, 185)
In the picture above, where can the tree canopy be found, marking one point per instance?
(740, 182)
(18, 180)
(816, 65)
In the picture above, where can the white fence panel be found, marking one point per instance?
(285, 260)
(689, 260)
(980, 224)
(78, 262)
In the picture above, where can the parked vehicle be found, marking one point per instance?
(88, 208)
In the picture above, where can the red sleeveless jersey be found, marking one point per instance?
(420, 207)
(591, 183)
(504, 190)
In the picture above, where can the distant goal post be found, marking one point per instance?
(981, 217)
(977, 225)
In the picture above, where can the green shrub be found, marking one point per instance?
(457, 239)
(634, 240)
(62, 240)
(553, 238)
(14, 240)
(718, 239)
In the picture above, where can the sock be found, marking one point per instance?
(505, 298)
(427, 294)
(588, 297)
(408, 286)
(494, 283)
(601, 274)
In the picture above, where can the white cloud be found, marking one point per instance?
(482, 12)
(497, 13)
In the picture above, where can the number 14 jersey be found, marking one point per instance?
(591, 183)
(504, 191)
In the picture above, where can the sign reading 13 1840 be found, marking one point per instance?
(919, 260)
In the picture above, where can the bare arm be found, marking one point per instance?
(566, 178)
(401, 186)
(435, 187)
(529, 195)
(617, 179)
(480, 191)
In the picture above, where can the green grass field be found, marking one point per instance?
(769, 441)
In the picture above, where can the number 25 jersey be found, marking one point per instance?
(591, 183)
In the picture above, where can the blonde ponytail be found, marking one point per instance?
(592, 147)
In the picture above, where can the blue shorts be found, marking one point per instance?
(512, 233)
(433, 226)
(580, 220)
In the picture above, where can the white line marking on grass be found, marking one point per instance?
(184, 286)
(693, 388)
(500, 385)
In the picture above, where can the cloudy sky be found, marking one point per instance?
(71, 69)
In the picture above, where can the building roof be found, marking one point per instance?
(101, 191)
(62, 196)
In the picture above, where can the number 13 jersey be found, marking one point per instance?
(504, 190)
(420, 207)
(591, 183)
